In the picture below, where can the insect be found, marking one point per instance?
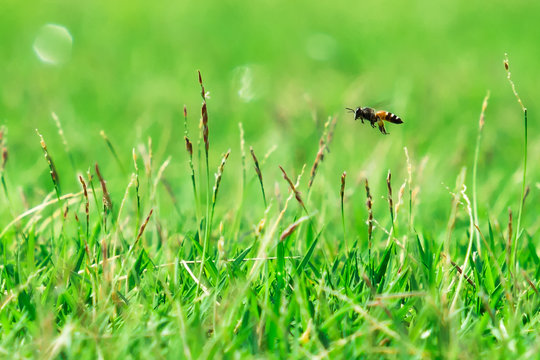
(375, 117)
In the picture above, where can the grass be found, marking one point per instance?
(98, 289)
(332, 241)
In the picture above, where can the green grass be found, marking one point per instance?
(116, 240)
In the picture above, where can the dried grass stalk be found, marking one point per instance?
(297, 194)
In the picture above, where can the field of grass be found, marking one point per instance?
(151, 211)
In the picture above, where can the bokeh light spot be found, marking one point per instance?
(53, 44)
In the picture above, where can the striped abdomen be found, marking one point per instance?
(388, 116)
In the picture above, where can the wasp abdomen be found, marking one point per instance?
(388, 116)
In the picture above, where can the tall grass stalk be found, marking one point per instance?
(469, 248)
(204, 122)
(481, 123)
(259, 174)
(460, 180)
(52, 167)
(239, 210)
(523, 183)
(341, 196)
(189, 149)
(391, 233)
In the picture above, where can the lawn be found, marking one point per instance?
(183, 180)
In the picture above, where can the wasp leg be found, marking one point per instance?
(381, 127)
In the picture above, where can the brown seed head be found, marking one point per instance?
(318, 159)
(107, 203)
(203, 93)
(189, 146)
(143, 226)
(369, 204)
(342, 190)
(297, 194)
(52, 168)
(204, 114)
(291, 228)
(4, 157)
(389, 185)
(256, 161)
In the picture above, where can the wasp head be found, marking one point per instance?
(358, 113)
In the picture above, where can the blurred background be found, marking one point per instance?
(281, 68)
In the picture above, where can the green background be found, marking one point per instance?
(133, 67)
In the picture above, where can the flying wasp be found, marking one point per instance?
(375, 117)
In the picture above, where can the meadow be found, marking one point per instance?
(183, 180)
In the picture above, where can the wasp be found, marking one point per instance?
(375, 117)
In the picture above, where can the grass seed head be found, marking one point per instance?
(297, 194)
(509, 77)
(134, 155)
(107, 203)
(52, 168)
(60, 131)
(318, 159)
(189, 146)
(291, 228)
(4, 158)
(85, 191)
(259, 173)
(481, 122)
(203, 93)
(204, 113)
(342, 189)
(143, 226)
(369, 204)
(390, 201)
(330, 134)
(219, 175)
(256, 162)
